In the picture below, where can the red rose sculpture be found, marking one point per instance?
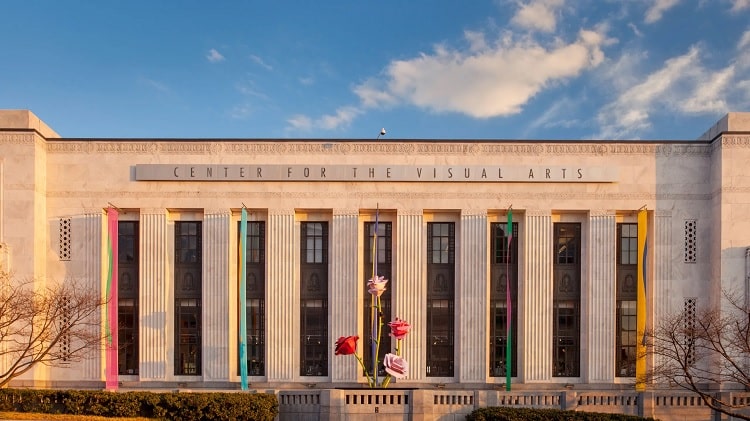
(346, 345)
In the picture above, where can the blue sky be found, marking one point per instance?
(342, 69)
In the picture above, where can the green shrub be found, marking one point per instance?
(502, 413)
(174, 406)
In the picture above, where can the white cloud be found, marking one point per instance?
(214, 56)
(739, 5)
(307, 81)
(538, 15)
(340, 119)
(155, 84)
(496, 81)
(242, 111)
(259, 61)
(657, 9)
(683, 85)
(744, 42)
(300, 122)
(560, 114)
(637, 32)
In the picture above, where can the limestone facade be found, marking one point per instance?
(697, 193)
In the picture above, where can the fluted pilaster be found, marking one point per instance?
(600, 298)
(344, 287)
(471, 297)
(282, 313)
(659, 295)
(216, 365)
(93, 278)
(536, 294)
(410, 290)
(153, 306)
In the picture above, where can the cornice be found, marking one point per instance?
(414, 148)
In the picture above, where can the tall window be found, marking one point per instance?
(627, 275)
(441, 270)
(255, 287)
(127, 293)
(504, 264)
(385, 257)
(188, 268)
(314, 299)
(566, 300)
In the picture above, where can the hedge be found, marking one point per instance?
(502, 413)
(173, 406)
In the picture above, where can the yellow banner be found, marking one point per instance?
(640, 362)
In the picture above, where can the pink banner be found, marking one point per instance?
(112, 301)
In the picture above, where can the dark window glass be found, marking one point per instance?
(626, 345)
(127, 292)
(255, 296)
(188, 295)
(314, 299)
(503, 265)
(384, 256)
(566, 301)
(627, 272)
(441, 272)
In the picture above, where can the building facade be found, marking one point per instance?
(441, 211)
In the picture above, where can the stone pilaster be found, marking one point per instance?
(536, 296)
(216, 231)
(345, 305)
(600, 298)
(282, 296)
(471, 298)
(659, 295)
(411, 289)
(154, 328)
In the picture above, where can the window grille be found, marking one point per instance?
(691, 240)
(566, 300)
(314, 299)
(385, 258)
(64, 327)
(626, 297)
(504, 263)
(441, 274)
(689, 344)
(255, 293)
(65, 232)
(188, 294)
(127, 287)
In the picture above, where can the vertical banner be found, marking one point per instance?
(374, 298)
(110, 325)
(508, 310)
(640, 362)
(243, 299)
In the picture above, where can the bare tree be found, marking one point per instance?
(699, 349)
(49, 323)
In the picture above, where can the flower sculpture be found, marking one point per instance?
(395, 365)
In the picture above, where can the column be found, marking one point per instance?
(282, 294)
(154, 287)
(345, 306)
(471, 297)
(89, 272)
(659, 297)
(599, 302)
(410, 291)
(216, 231)
(535, 296)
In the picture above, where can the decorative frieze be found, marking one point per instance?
(17, 139)
(735, 141)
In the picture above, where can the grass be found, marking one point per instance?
(62, 417)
